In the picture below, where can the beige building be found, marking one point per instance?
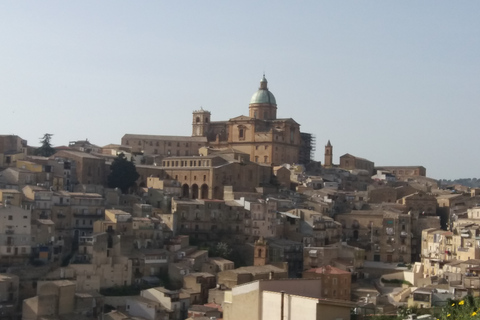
(318, 230)
(420, 203)
(349, 162)
(340, 255)
(204, 177)
(90, 169)
(12, 148)
(59, 298)
(385, 234)
(100, 263)
(9, 285)
(15, 234)
(174, 301)
(261, 135)
(302, 299)
(11, 197)
(209, 219)
(405, 171)
(336, 283)
(232, 278)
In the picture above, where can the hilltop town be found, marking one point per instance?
(235, 221)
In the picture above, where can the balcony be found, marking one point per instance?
(389, 249)
(9, 231)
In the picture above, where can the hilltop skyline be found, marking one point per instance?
(391, 82)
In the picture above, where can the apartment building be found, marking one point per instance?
(15, 234)
(335, 283)
(384, 234)
(9, 285)
(210, 219)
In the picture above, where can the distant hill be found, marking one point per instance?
(467, 182)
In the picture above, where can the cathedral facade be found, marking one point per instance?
(264, 137)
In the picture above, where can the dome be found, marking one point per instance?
(263, 95)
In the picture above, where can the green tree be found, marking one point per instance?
(123, 174)
(222, 250)
(46, 149)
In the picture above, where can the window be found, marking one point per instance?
(241, 133)
(10, 217)
(265, 159)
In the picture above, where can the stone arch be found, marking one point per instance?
(204, 191)
(185, 190)
(195, 191)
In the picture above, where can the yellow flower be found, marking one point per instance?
(474, 313)
(453, 304)
(448, 315)
(461, 303)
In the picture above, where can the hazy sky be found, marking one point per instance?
(396, 82)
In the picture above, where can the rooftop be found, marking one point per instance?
(327, 270)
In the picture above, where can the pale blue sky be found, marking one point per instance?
(396, 82)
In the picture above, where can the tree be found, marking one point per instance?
(222, 250)
(123, 174)
(46, 149)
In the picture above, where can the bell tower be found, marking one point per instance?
(201, 122)
(328, 155)
(260, 253)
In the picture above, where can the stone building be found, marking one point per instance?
(277, 299)
(420, 203)
(100, 263)
(335, 283)
(384, 234)
(12, 148)
(9, 285)
(350, 162)
(405, 171)
(86, 208)
(204, 177)
(264, 137)
(15, 234)
(90, 169)
(210, 219)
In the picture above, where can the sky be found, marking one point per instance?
(396, 82)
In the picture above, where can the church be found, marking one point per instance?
(264, 137)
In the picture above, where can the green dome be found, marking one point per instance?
(263, 95)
